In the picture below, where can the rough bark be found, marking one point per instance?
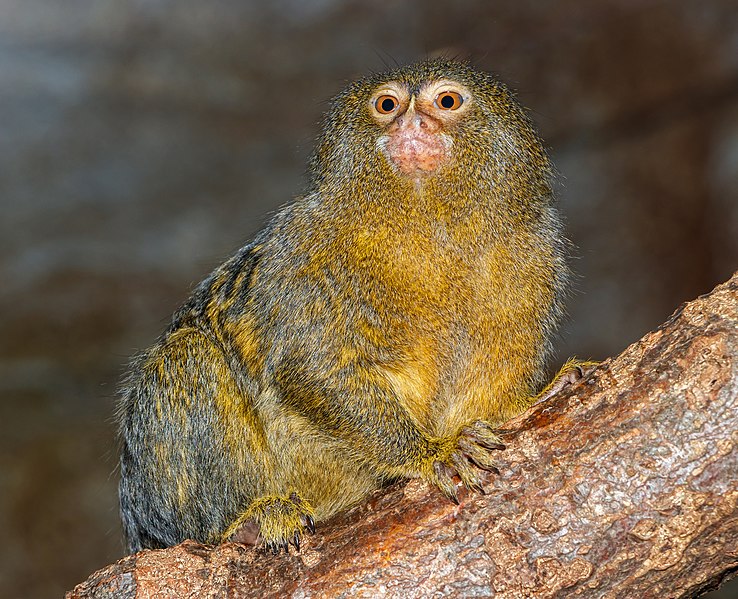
(623, 485)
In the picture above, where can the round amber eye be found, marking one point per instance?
(449, 100)
(386, 104)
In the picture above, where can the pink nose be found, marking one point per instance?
(412, 119)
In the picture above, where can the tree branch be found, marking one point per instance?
(624, 485)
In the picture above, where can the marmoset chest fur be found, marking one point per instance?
(379, 327)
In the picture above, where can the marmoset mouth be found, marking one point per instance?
(414, 151)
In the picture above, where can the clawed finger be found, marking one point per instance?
(309, 523)
(444, 480)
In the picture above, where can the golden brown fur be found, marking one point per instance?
(381, 325)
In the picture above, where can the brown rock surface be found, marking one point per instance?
(625, 485)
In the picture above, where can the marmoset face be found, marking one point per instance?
(417, 122)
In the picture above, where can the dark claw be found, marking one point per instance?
(483, 465)
(477, 488)
(277, 546)
(489, 444)
(454, 498)
(296, 541)
(310, 524)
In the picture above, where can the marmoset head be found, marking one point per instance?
(433, 118)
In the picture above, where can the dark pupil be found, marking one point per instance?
(388, 104)
(447, 101)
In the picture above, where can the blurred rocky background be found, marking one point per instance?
(142, 141)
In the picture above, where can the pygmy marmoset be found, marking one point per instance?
(381, 325)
